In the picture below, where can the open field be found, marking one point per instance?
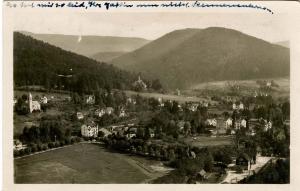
(85, 164)
(56, 96)
(206, 141)
(179, 99)
(284, 84)
(247, 86)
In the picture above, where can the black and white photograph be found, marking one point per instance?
(154, 97)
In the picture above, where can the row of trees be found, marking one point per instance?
(186, 160)
(168, 151)
(50, 129)
(32, 147)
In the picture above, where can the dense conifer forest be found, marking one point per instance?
(41, 64)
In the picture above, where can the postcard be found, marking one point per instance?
(150, 95)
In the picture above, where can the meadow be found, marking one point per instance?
(207, 141)
(85, 164)
(178, 98)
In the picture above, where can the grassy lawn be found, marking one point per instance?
(84, 164)
(206, 141)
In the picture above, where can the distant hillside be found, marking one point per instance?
(90, 45)
(284, 44)
(187, 57)
(39, 63)
(107, 56)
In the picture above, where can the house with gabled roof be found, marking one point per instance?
(89, 129)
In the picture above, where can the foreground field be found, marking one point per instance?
(85, 164)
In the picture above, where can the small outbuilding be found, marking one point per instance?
(202, 175)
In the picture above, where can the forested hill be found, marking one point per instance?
(183, 58)
(39, 63)
(88, 45)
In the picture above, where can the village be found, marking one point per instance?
(160, 129)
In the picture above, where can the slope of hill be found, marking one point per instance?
(107, 56)
(90, 45)
(187, 57)
(39, 63)
(284, 44)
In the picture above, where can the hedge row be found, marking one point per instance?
(32, 148)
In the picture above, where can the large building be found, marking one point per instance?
(90, 129)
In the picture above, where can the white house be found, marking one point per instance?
(122, 112)
(232, 132)
(212, 122)
(44, 100)
(241, 106)
(89, 130)
(18, 145)
(159, 100)
(243, 123)
(131, 101)
(33, 105)
(99, 112)
(228, 123)
(193, 107)
(90, 99)
(234, 107)
(109, 110)
(152, 134)
(131, 133)
(79, 115)
(268, 125)
(180, 107)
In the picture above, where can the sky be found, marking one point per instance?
(150, 25)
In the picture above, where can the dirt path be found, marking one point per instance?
(233, 177)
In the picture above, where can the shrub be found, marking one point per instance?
(44, 147)
(77, 139)
(50, 145)
(27, 150)
(21, 152)
(39, 147)
(67, 141)
(57, 144)
(16, 153)
(34, 148)
(101, 134)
